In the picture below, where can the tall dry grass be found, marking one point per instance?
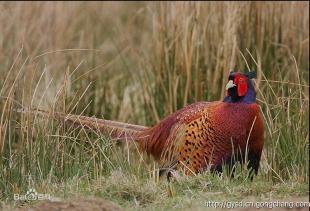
(138, 62)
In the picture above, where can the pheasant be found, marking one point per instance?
(198, 137)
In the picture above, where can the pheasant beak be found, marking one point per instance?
(230, 84)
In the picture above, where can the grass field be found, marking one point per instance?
(137, 63)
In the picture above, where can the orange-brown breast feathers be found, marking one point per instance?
(222, 130)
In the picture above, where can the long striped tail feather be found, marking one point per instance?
(114, 129)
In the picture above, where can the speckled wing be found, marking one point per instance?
(190, 138)
(192, 153)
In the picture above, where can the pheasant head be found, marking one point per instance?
(240, 88)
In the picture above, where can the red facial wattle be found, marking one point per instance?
(242, 86)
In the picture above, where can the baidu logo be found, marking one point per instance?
(31, 195)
